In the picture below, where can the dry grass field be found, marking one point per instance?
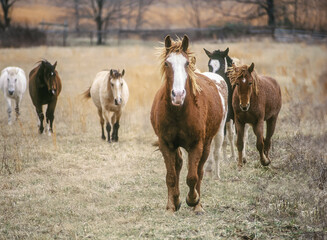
(74, 185)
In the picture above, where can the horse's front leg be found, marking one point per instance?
(240, 143)
(258, 131)
(9, 110)
(194, 157)
(18, 100)
(50, 116)
(206, 151)
(115, 121)
(40, 115)
(173, 162)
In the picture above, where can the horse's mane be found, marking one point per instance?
(176, 47)
(235, 72)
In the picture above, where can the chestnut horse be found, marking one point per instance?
(256, 99)
(188, 111)
(44, 88)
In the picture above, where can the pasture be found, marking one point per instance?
(74, 185)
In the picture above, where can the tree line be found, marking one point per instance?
(131, 14)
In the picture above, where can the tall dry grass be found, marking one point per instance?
(74, 185)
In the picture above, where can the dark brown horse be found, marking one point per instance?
(256, 99)
(187, 111)
(44, 88)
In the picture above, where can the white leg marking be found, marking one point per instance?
(245, 140)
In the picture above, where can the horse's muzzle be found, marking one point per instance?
(11, 93)
(178, 97)
(245, 108)
(118, 102)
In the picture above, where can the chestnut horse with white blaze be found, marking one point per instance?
(44, 89)
(188, 110)
(256, 99)
(109, 92)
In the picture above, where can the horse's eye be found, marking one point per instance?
(187, 63)
(16, 80)
(250, 83)
(121, 84)
(8, 79)
(112, 84)
(166, 64)
(236, 84)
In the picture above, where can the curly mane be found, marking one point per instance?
(176, 47)
(235, 72)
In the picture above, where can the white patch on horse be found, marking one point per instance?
(215, 65)
(178, 62)
(226, 67)
(244, 80)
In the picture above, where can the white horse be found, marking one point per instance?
(13, 86)
(109, 92)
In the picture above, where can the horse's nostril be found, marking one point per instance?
(116, 102)
(11, 92)
(173, 93)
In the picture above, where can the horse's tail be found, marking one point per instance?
(87, 93)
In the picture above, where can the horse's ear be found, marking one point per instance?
(123, 72)
(250, 69)
(55, 65)
(209, 54)
(185, 43)
(111, 73)
(167, 42)
(226, 52)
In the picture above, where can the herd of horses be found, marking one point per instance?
(192, 110)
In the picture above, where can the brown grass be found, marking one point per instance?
(74, 185)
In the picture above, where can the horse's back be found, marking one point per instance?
(272, 94)
(98, 83)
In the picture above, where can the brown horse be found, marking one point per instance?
(44, 88)
(188, 110)
(256, 99)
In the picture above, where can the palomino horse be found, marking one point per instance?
(255, 100)
(44, 88)
(188, 111)
(13, 85)
(109, 92)
(219, 62)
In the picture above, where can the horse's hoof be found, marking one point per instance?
(103, 137)
(192, 204)
(244, 159)
(239, 167)
(198, 210)
(179, 206)
(265, 161)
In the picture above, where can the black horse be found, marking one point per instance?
(44, 88)
(219, 62)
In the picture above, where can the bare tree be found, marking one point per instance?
(143, 6)
(6, 6)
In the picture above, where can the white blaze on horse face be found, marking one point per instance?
(244, 80)
(11, 84)
(178, 63)
(116, 86)
(214, 63)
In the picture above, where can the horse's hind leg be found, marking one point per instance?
(101, 123)
(245, 141)
(271, 124)
(9, 110)
(230, 133)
